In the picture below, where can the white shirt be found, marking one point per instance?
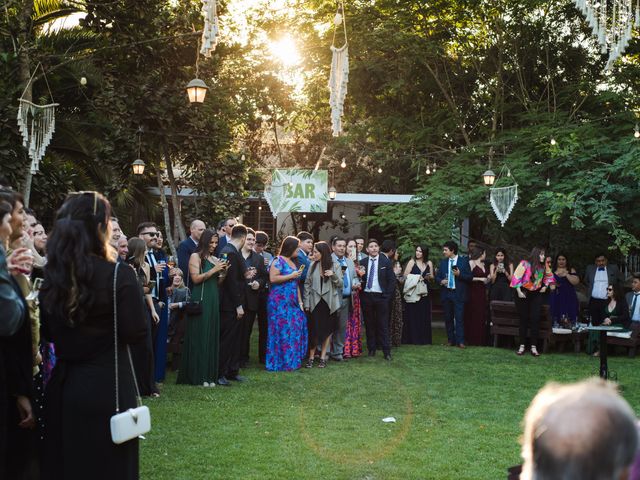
(635, 315)
(600, 284)
(375, 285)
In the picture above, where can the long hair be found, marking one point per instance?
(506, 257)
(477, 252)
(203, 245)
(326, 262)
(534, 259)
(425, 253)
(555, 261)
(288, 246)
(81, 230)
(137, 248)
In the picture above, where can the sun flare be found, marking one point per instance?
(286, 51)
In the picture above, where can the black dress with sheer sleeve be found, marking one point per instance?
(80, 397)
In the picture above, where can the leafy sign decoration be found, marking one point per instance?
(295, 190)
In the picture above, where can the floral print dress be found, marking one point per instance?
(287, 323)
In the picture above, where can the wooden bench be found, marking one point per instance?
(630, 343)
(505, 321)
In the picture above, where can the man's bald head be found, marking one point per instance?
(197, 227)
(584, 431)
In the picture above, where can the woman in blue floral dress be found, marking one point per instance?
(287, 340)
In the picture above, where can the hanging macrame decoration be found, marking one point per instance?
(36, 124)
(503, 199)
(612, 23)
(339, 77)
(211, 27)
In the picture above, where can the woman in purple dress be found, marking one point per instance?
(563, 301)
(287, 339)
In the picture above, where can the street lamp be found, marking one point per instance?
(197, 90)
(332, 193)
(138, 167)
(489, 178)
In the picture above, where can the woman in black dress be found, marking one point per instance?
(76, 304)
(500, 273)
(416, 327)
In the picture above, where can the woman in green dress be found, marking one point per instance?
(616, 314)
(199, 363)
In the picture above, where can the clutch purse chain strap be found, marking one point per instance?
(115, 345)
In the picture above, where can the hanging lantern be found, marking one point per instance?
(332, 193)
(138, 167)
(489, 178)
(197, 90)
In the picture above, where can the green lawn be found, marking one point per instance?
(458, 416)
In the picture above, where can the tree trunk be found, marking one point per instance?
(24, 73)
(165, 213)
(175, 201)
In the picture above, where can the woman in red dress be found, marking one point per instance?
(475, 312)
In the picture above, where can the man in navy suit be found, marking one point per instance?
(379, 285)
(187, 247)
(453, 275)
(224, 234)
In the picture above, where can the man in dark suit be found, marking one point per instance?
(232, 306)
(453, 275)
(379, 285)
(597, 278)
(255, 262)
(224, 233)
(187, 247)
(633, 300)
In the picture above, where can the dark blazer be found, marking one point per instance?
(11, 304)
(232, 291)
(386, 277)
(222, 242)
(462, 280)
(613, 272)
(185, 249)
(629, 302)
(252, 297)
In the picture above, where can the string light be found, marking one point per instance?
(428, 170)
(434, 168)
(553, 141)
(343, 164)
(636, 132)
(379, 169)
(548, 181)
(304, 215)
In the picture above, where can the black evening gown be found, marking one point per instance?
(416, 327)
(80, 397)
(500, 289)
(142, 353)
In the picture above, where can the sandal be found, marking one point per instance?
(322, 364)
(520, 350)
(534, 351)
(309, 363)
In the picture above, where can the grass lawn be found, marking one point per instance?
(458, 415)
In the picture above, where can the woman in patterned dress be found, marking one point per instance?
(352, 340)
(287, 338)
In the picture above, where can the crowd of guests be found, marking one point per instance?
(313, 301)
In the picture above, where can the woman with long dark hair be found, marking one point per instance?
(200, 350)
(500, 273)
(563, 301)
(142, 353)
(531, 280)
(616, 313)
(322, 299)
(475, 312)
(416, 325)
(287, 340)
(77, 314)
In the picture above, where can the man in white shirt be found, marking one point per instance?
(597, 278)
(633, 300)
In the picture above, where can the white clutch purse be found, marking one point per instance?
(134, 422)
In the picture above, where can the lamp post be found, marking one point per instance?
(138, 166)
(489, 178)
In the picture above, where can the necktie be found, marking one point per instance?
(452, 282)
(372, 269)
(633, 304)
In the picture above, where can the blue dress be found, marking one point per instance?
(287, 338)
(563, 301)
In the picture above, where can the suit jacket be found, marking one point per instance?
(629, 299)
(462, 280)
(232, 292)
(185, 249)
(316, 288)
(613, 273)
(386, 277)
(262, 277)
(11, 304)
(222, 242)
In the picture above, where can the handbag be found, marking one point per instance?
(195, 308)
(134, 422)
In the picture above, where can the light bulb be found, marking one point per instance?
(260, 207)
(304, 215)
(379, 170)
(428, 171)
(337, 20)
(553, 141)
(434, 168)
(548, 181)
(291, 184)
(243, 158)
(636, 132)
(83, 80)
(343, 164)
